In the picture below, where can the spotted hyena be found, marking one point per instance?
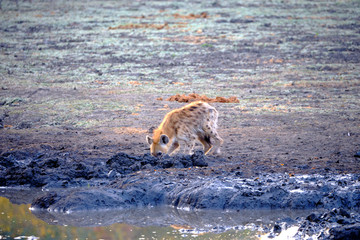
(197, 120)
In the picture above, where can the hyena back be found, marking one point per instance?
(195, 121)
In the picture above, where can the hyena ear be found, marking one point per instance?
(164, 139)
(149, 140)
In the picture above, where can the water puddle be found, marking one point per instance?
(17, 221)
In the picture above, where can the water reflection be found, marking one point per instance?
(17, 220)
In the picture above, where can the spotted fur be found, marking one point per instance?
(195, 121)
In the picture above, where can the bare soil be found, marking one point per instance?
(85, 78)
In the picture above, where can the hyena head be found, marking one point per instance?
(158, 146)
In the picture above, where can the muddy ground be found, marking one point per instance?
(83, 80)
(181, 189)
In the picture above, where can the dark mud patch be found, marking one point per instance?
(54, 169)
(124, 164)
(41, 169)
(182, 181)
(202, 189)
(335, 224)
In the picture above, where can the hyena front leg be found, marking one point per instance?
(189, 145)
(173, 148)
(188, 148)
(191, 148)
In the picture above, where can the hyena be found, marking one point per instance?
(197, 120)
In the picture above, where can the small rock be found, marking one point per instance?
(342, 212)
(277, 229)
(166, 163)
(241, 20)
(357, 155)
(198, 159)
(24, 125)
(313, 217)
(111, 174)
(45, 201)
(267, 24)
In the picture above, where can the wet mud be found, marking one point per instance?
(140, 184)
(53, 169)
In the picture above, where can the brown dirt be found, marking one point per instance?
(191, 15)
(196, 97)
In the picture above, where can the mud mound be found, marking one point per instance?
(124, 163)
(331, 224)
(334, 224)
(191, 15)
(53, 169)
(196, 97)
(201, 189)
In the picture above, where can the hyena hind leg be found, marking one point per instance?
(205, 141)
(217, 141)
